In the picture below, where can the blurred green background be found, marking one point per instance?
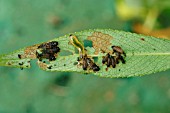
(27, 22)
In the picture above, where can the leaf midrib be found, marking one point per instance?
(140, 54)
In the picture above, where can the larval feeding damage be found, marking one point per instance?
(86, 62)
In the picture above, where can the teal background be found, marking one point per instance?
(27, 22)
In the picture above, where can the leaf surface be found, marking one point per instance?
(144, 54)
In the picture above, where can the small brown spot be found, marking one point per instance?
(142, 39)
(42, 65)
(9, 63)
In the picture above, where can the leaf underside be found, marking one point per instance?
(144, 54)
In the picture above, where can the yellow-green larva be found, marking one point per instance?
(76, 43)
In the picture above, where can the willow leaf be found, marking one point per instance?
(144, 54)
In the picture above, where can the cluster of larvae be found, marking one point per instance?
(112, 60)
(48, 51)
(87, 63)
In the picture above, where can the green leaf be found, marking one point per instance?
(144, 54)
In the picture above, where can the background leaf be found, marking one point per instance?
(145, 54)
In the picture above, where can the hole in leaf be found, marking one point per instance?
(95, 59)
(88, 43)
